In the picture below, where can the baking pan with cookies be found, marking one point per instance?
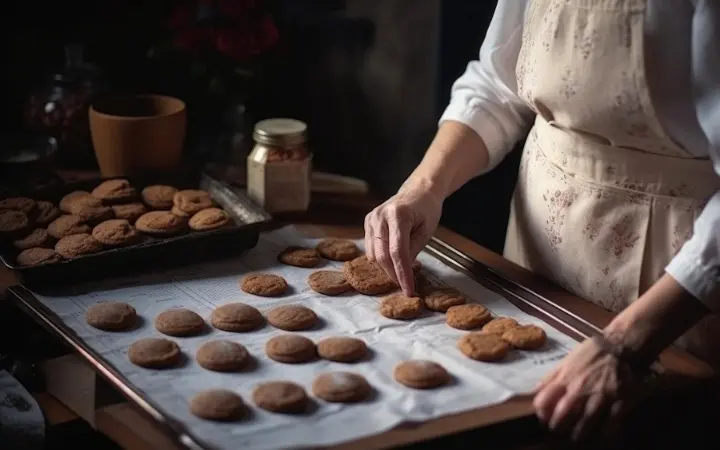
(101, 228)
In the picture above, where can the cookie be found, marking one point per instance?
(500, 325)
(292, 318)
(342, 349)
(328, 282)
(483, 347)
(338, 249)
(77, 245)
(67, 225)
(468, 317)
(46, 213)
(75, 197)
(21, 204)
(265, 285)
(222, 356)
(191, 201)
(35, 256)
(525, 337)
(154, 353)
(401, 307)
(115, 233)
(13, 223)
(280, 397)
(179, 322)
(341, 387)
(159, 196)
(236, 317)
(221, 405)
(209, 219)
(290, 349)
(114, 191)
(441, 299)
(421, 374)
(111, 316)
(160, 223)
(39, 237)
(91, 209)
(129, 211)
(300, 257)
(367, 277)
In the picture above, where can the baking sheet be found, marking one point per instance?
(204, 287)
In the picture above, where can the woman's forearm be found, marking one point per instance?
(456, 155)
(656, 319)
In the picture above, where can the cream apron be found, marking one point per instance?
(605, 198)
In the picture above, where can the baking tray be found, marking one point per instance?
(152, 252)
(522, 297)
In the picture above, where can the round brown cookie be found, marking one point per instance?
(191, 201)
(292, 318)
(342, 349)
(341, 387)
(421, 374)
(67, 225)
(525, 337)
(160, 223)
(39, 237)
(114, 191)
(500, 325)
(115, 233)
(46, 213)
(483, 347)
(179, 322)
(328, 282)
(281, 397)
(338, 249)
(91, 209)
(367, 277)
(77, 245)
(154, 353)
(236, 317)
(75, 197)
(290, 349)
(468, 317)
(220, 405)
(300, 257)
(13, 223)
(129, 211)
(159, 196)
(399, 306)
(441, 299)
(111, 316)
(209, 219)
(35, 256)
(22, 204)
(263, 284)
(222, 356)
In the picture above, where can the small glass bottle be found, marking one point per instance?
(279, 166)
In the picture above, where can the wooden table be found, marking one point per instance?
(132, 430)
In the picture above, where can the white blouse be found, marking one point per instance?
(685, 90)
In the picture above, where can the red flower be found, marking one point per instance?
(182, 16)
(241, 43)
(235, 9)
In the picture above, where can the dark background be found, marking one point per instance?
(370, 77)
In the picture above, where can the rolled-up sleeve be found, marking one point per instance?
(485, 96)
(697, 266)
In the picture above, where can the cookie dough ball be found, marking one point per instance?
(111, 316)
(154, 353)
(264, 285)
(114, 191)
(221, 405)
(159, 196)
(39, 237)
(468, 317)
(24, 205)
(160, 223)
(300, 257)
(483, 347)
(222, 356)
(236, 317)
(328, 282)
(129, 211)
(525, 337)
(290, 349)
(46, 213)
(421, 374)
(341, 387)
(292, 318)
(401, 307)
(441, 299)
(342, 349)
(179, 322)
(115, 233)
(37, 256)
(191, 201)
(67, 225)
(209, 219)
(281, 397)
(77, 245)
(75, 197)
(338, 249)
(500, 325)
(367, 277)
(13, 224)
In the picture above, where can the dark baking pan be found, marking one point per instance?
(151, 254)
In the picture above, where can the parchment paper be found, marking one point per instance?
(204, 287)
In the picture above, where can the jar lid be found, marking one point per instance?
(281, 132)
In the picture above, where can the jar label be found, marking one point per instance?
(280, 187)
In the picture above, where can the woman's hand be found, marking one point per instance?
(397, 230)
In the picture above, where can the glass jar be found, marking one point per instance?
(279, 166)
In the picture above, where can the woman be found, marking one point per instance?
(617, 198)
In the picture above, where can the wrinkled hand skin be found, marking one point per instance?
(585, 393)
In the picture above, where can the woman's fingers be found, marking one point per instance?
(568, 411)
(399, 248)
(381, 248)
(369, 237)
(547, 398)
(596, 408)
